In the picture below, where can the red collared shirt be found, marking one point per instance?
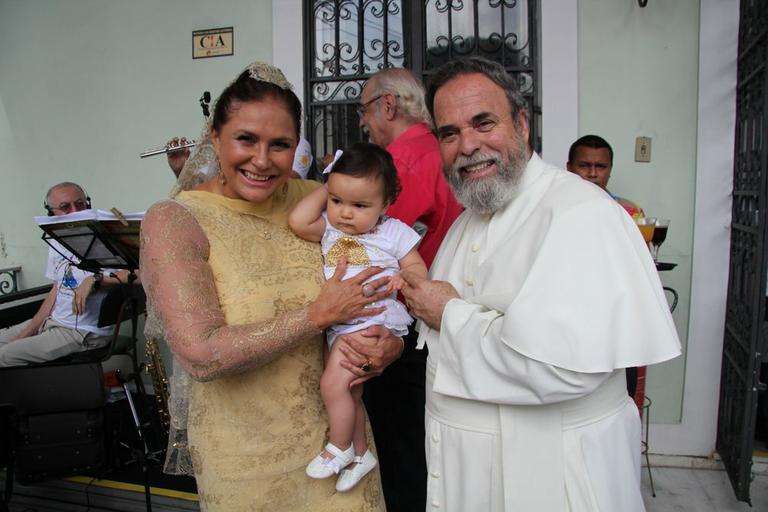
(425, 194)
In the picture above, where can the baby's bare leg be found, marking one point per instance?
(334, 389)
(358, 436)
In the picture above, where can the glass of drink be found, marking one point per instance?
(659, 235)
(647, 226)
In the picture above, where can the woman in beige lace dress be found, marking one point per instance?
(243, 304)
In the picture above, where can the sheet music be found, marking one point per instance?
(100, 215)
(99, 238)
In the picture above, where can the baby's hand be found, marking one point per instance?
(396, 283)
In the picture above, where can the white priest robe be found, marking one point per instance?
(526, 406)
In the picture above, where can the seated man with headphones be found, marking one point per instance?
(67, 319)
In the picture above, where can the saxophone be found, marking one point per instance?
(156, 369)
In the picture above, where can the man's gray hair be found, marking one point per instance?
(408, 90)
(493, 70)
(64, 184)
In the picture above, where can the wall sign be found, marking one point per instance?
(214, 42)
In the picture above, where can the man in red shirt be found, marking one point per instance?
(393, 112)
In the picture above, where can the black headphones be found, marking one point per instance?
(48, 208)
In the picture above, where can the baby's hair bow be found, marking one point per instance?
(336, 156)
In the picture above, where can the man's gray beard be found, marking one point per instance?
(492, 193)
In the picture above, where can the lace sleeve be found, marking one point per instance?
(180, 288)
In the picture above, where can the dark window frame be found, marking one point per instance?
(332, 90)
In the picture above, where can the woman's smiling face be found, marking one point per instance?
(255, 148)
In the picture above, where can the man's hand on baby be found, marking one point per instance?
(426, 299)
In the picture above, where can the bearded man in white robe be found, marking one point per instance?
(542, 293)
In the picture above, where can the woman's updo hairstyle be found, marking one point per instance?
(366, 160)
(257, 82)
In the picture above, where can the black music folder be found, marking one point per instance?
(97, 238)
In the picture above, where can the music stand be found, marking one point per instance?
(99, 241)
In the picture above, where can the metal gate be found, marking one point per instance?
(745, 331)
(346, 41)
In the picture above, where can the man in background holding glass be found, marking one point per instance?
(591, 157)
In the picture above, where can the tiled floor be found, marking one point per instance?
(685, 489)
(683, 484)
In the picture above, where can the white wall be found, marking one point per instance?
(668, 71)
(696, 434)
(559, 79)
(86, 85)
(288, 44)
(637, 76)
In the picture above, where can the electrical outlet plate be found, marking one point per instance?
(643, 149)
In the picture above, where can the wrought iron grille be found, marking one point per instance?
(9, 280)
(501, 31)
(744, 338)
(349, 40)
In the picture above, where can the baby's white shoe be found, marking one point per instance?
(352, 475)
(320, 467)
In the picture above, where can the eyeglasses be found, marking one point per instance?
(363, 106)
(74, 205)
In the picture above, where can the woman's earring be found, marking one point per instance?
(222, 178)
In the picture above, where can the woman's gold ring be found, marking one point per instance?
(367, 366)
(368, 290)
